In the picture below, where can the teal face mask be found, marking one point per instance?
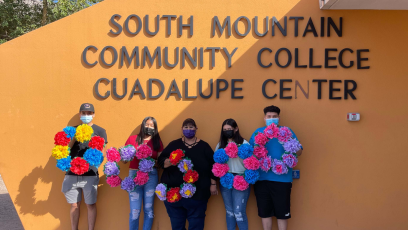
(86, 119)
(270, 121)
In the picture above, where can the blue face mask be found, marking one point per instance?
(86, 119)
(270, 121)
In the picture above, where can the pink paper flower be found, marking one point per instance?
(240, 183)
(113, 154)
(141, 178)
(260, 152)
(251, 163)
(271, 131)
(261, 139)
(284, 134)
(219, 170)
(266, 163)
(113, 181)
(232, 150)
(143, 151)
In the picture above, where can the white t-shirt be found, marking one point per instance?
(236, 165)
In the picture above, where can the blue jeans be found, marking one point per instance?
(143, 193)
(187, 209)
(235, 202)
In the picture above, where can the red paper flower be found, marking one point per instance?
(79, 166)
(176, 156)
(191, 176)
(173, 195)
(97, 142)
(61, 139)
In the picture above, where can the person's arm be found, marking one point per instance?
(163, 159)
(210, 155)
(159, 153)
(217, 147)
(105, 137)
(298, 153)
(213, 187)
(252, 140)
(71, 143)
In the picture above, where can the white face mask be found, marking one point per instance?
(86, 118)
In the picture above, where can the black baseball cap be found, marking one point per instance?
(87, 107)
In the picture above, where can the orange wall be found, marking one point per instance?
(352, 173)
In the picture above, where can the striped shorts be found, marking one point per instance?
(73, 186)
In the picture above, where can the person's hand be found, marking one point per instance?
(167, 163)
(213, 189)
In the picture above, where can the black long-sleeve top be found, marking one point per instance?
(202, 157)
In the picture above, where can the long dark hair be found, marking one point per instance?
(237, 137)
(155, 138)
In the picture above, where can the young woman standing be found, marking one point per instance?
(235, 201)
(148, 135)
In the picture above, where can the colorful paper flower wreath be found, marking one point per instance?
(251, 163)
(290, 145)
(79, 165)
(187, 189)
(126, 154)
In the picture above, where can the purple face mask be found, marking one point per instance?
(189, 133)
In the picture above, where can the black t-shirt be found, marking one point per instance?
(78, 149)
(202, 157)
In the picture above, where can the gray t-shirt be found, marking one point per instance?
(236, 165)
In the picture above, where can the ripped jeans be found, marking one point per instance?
(235, 202)
(143, 193)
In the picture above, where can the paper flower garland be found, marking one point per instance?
(79, 165)
(126, 154)
(251, 163)
(290, 145)
(187, 189)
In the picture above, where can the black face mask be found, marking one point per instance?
(149, 131)
(228, 133)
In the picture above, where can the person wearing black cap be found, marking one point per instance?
(74, 185)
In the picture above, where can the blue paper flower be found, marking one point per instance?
(64, 163)
(70, 131)
(220, 156)
(251, 176)
(245, 151)
(94, 157)
(227, 181)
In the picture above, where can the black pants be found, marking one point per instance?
(187, 209)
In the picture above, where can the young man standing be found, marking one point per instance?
(272, 191)
(74, 185)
